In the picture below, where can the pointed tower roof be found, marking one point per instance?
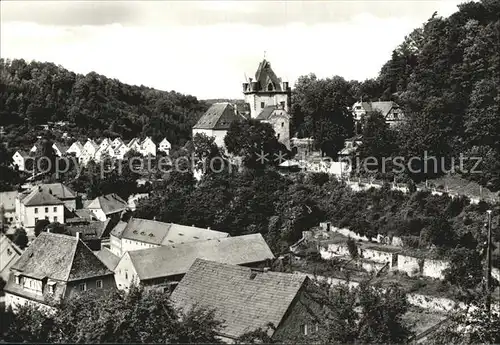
(265, 75)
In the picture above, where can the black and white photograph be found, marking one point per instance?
(250, 172)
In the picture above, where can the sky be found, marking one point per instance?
(208, 48)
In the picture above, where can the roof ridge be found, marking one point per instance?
(73, 257)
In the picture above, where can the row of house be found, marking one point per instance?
(197, 267)
(96, 150)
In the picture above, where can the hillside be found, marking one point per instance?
(35, 93)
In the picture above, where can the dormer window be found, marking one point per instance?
(270, 87)
(51, 287)
(17, 278)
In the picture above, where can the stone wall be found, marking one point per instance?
(434, 268)
(409, 264)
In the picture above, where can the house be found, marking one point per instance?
(246, 300)
(91, 232)
(75, 149)
(133, 200)
(107, 206)
(148, 147)
(62, 192)
(104, 152)
(36, 205)
(19, 159)
(8, 207)
(9, 254)
(59, 149)
(55, 267)
(108, 258)
(134, 144)
(217, 120)
(165, 146)
(390, 111)
(269, 100)
(351, 145)
(116, 142)
(143, 233)
(120, 151)
(163, 267)
(89, 150)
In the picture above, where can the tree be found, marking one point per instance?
(40, 226)
(439, 233)
(466, 269)
(255, 141)
(20, 238)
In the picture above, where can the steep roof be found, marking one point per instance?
(219, 116)
(61, 147)
(58, 190)
(176, 259)
(23, 153)
(59, 257)
(271, 111)
(266, 75)
(117, 231)
(77, 144)
(151, 231)
(8, 200)
(9, 254)
(243, 299)
(109, 203)
(40, 197)
(88, 230)
(108, 258)
(383, 107)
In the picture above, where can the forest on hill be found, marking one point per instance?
(445, 75)
(35, 93)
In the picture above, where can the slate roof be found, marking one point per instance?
(61, 148)
(9, 254)
(171, 260)
(8, 200)
(60, 257)
(40, 197)
(108, 258)
(383, 106)
(265, 75)
(109, 204)
(23, 153)
(58, 190)
(269, 111)
(151, 231)
(243, 299)
(219, 117)
(118, 229)
(89, 230)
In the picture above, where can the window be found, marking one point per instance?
(303, 329)
(270, 87)
(278, 136)
(55, 209)
(36, 209)
(55, 219)
(282, 124)
(36, 220)
(98, 284)
(82, 287)
(282, 105)
(46, 217)
(46, 210)
(126, 275)
(358, 107)
(262, 105)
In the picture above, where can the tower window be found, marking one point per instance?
(270, 87)
(282, 124)
(262, 105)
(278, 136)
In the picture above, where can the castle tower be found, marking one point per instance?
(269, 100)
(266, 90)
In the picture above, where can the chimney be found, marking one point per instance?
(266, 269)
(48, 230)
(78, 236)
(208, 228)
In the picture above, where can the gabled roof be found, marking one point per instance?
(88, 230)
(219, 116)
(58, 190)
(384, 107)
(108, 258)
(133, 142)
(93, 143)
(243, 299)
(9, 254)
(109, 204)
(151, 231)
(59, 257)
(40, 197)
(266, 75)
(271, 111)
(76, 144)
(24, 154)
(60, 147)
(8, 200)
(171, 260)
(117, 231)
(165, 141)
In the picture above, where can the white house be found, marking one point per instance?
(117, 142)
(120, 151)
(75, 149)
(165, 146)
(148, 147)
(106, 206)
(135, 144)
(60, 150)
(390, 111)
(143, 233)
(89, 150)
(105, 142)
(19, 158)
(37, 205)
(104, 151)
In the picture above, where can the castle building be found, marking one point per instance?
(269, 100)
